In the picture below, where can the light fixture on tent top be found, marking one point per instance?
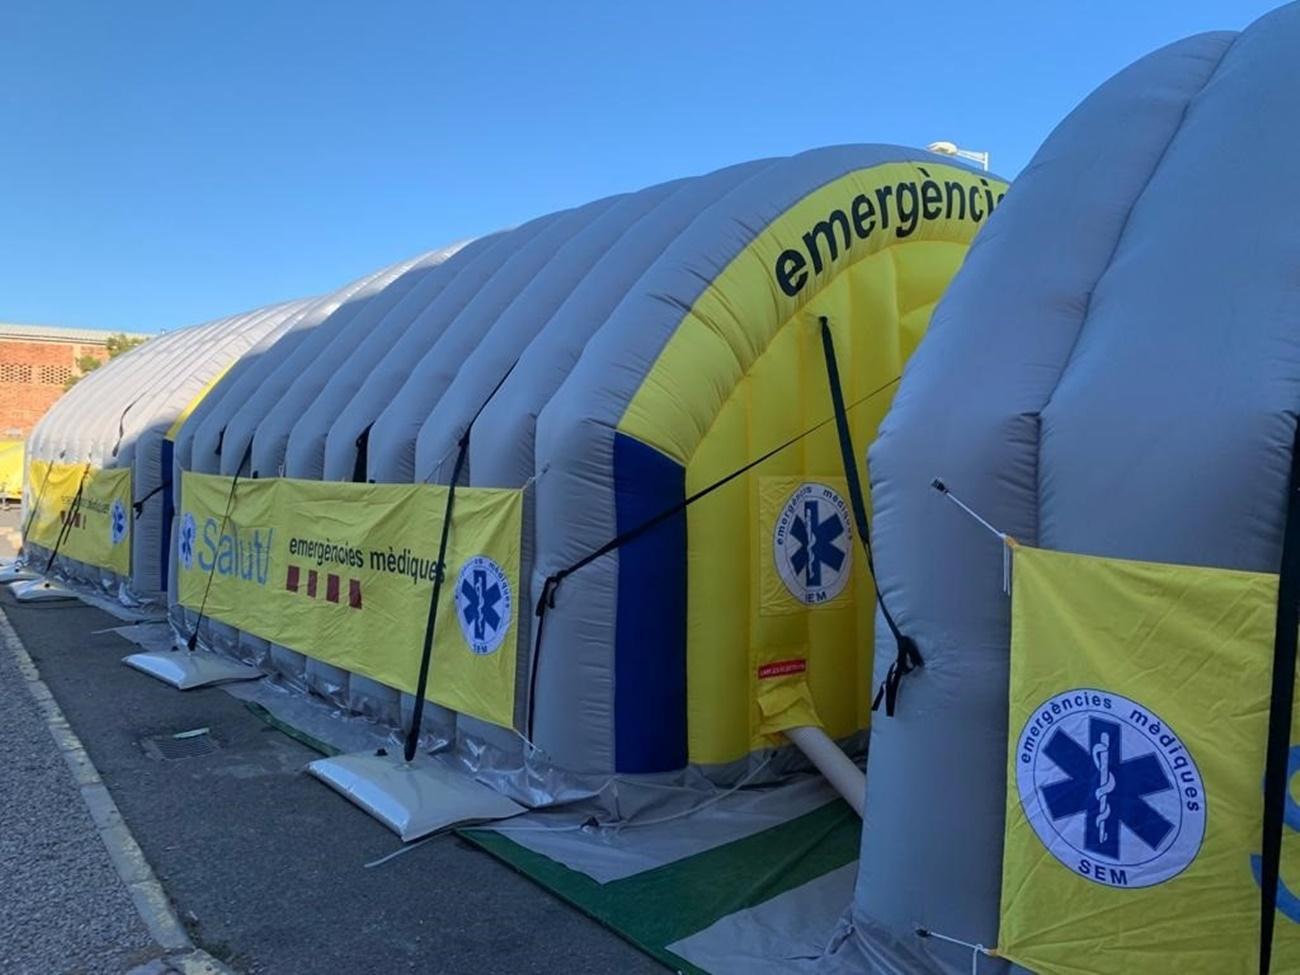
(415, 795)
(951, 149)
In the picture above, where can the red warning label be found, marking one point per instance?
(782, 668)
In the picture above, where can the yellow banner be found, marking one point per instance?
(98, 521)
(344, 572)
(1138, 721)
(11, 468)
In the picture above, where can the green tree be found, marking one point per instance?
(116, 344)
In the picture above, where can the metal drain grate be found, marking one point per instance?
(171, 748)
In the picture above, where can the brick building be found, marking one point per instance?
(36, 361)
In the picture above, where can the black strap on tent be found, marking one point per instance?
(426, 655)
(363, 452)
(440, 567)
(552, 583)
(908, 657)
(193, 641)
(138, 506)
(1282, 700)
(121, 424)
(68, 518)
(36, 505)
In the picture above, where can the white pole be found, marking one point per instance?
(847, 779)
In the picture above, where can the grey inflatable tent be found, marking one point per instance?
(1114, 372)
(119, 417)
(612, 359)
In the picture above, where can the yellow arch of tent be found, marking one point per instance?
(872, 252)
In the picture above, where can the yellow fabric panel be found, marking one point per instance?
(99, 524)
(1172, 665)
(174, 430)
(758, 658)
(11, 467)
(733, 321)
(745, 371)
(343, 572)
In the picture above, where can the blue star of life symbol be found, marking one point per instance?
(118, 527)
(1108, 789)
(482, 596)
(483, 602)
(188, 532)
(818, 547)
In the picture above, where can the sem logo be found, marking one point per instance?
(483, 602)
(117, 522)
(189, 531)
(813, 544)
(1110, 789)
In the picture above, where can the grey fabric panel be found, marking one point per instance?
(392, 438)
(967, 410)
(369, 401)
(237, 380)
(458, 381)
(467, 380)
(243, 427)
(93, 416)
(501, 454)
(330, 354)
(203, 435)
(111, 412)
(1191, 346)
(363, 348)
(183, 447)
(305, 452)
(395, 368)
(300, 379)
(198, 447)
(502, 448)
(183, 382)
(784, 935)
(116, 417)
(575, 435)
(223, 436)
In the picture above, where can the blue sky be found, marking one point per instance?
(165, 163)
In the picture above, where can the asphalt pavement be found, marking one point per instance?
(63, 908)
(265, 866)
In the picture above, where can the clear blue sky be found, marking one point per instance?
(164, 163)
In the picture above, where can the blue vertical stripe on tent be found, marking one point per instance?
(650, 642)
(168, 511)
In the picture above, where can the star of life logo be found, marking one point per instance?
(185, 544)
(483, 604)
(117, 522)
(812, 543)
(1110, 789)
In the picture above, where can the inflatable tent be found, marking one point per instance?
(99, 459)
(1111, 381)
(651, 566)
